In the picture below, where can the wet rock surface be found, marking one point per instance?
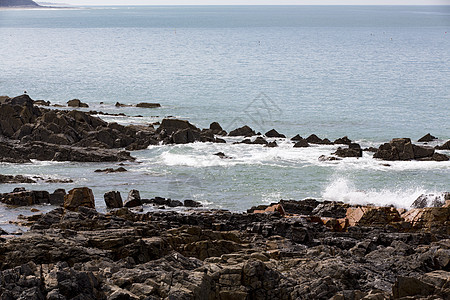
(289, 250)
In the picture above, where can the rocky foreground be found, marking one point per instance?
(290, 250)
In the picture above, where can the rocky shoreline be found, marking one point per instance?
(288, 250)
(29, 130)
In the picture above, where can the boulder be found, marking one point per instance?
(148, 105)
(272, 144)
(440, 157)
(25, 198)
(422, 152)
(372, 216)
(170, 126)
(396, 149)
(433, 219)
(76, 103)
(274, 134)
(427, 138)
(445, 146)
(302, 143)
(217, 129)
(314, 139)
(133, 199)
(354, 150)
(192, 203)
(111, 170)
(242, 131)
(297, 138)
(79, 197)
(430, 200)
(41, 102)
(344, 141)
(57, 197)
(113, 199)
(259, 141)
(185, 136)
(15, 179)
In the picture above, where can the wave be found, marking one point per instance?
(344, 190)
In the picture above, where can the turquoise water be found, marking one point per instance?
(370, 72)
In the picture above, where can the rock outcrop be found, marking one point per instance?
(404, 149)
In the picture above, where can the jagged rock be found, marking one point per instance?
(113, 199)
(184, 136)
(76, 103)
(242, 131)
(445, 146)
(396, 149)
(148, 105)
(301, 143)
(274, 134)
(170, 126)
(372, 216)
(440, 157)
(427, 138)
(15, 179)
(259, 141)
(272, 144)
(344, 140)
(133, 199)
(79, 197)
(434, 219)
(314, 139)
(297, 138)
(430, 200)
(57, 197)
(354, 150)
(25, 198)
(422, 152)
(217, 129)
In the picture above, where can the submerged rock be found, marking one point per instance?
(148, 105)
(15, 179)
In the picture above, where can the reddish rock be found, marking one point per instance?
(79, 197)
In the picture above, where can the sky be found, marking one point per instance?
(251, 2)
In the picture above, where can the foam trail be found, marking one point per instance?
(343, 190)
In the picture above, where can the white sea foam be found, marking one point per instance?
(344, 190)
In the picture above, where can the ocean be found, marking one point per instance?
(372, 73)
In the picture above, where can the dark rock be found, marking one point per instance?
(170, 126)
(328, 158)
(118, 104)
(314, 139)
(274, 134)
(15, 179)
(57, 197)
(148, 105)
(302, 143)
(259, 141)
(111, 170)
(396, 149)
(445, 146)
(422, 152)
(222, 155)
(76, 103)
(79, 197)
(429, 200)
(427, 138)
(113, 199)
(344, 141)
(354, 150)
(192, 203)
(297, 138)
(440, 157)
(272, 144)
(326, 141)
(242, 131)
(174, 203)
(217, 129)
(41, 102)
(133, 199)
(184, 136)
(25, 198)
(371, 149)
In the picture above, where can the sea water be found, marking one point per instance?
(372, 73)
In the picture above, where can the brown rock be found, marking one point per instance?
(79, 197)
(148, 105)
(76, 103)
(113, 199)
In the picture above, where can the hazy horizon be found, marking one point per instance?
(248, 2)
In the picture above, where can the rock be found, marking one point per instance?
(174, 203)
(242, 131)
(328, 158)
(422, 152)
(113, 199)
(372, 216)
(25, 198)
(429, 200)
(118, 104)
(396, 149)
(148, 105)
(297, 138)
(111, 170)
(432, 219)
(274, 134)
(133, 199)
(354, 150)
(440, 157)
(302, 143)
(170, 126)
(192, 203)
(78, 197)
(314, 139)
(217, 129)
(371, 149)
(15, 179)
(185, 136)
(408, 286)
(76, 103)
(344, 141)
(222, 155)
(272, 144)
(427, 138)
(259, 141)
(274, 208)
(445, 146)
(57, 197)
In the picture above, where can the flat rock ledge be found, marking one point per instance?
(289, 250)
